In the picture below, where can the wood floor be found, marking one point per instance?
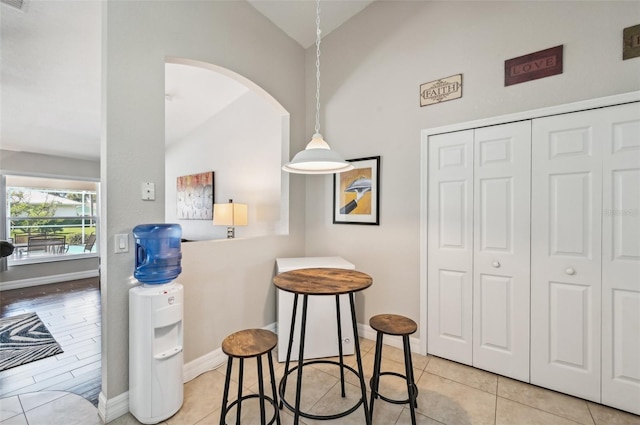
(71, 312)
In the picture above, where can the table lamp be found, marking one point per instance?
(230, 215)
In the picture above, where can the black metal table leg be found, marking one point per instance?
(340, 345)
(283, 384)
(273, 387)
(303, 326)
(363, 387)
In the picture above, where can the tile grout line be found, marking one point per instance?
(591, 414)
(461, 383)
(540, 410)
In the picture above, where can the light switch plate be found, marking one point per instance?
(121, 243)
(148, 191)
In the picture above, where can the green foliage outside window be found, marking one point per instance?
(22, 207)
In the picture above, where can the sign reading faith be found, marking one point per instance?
(631, 42)
(533, 66)
(441, 90)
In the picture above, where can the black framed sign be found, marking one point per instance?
(356, 193)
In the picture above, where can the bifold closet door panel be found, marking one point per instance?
(450, 246)
(621, 260)
(566, 252)
(501, 301)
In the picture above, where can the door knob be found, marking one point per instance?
(495, 264)
(570, 271)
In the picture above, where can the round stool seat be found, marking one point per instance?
(249, 343)
(393, 324)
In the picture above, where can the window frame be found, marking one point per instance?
(88, 220)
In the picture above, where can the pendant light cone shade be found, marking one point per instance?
(317, 157)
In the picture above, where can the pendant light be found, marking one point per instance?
(317, 157)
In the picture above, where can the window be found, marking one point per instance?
(50, 219)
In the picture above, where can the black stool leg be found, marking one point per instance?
(273, 388)
(238, 413)
(411, 386)
(340, 344)
(354, 322)
(263, 416)
(225, 397)
(375, 379)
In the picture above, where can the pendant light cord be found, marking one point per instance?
(318, 66)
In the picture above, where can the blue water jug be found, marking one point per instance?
(158, 256)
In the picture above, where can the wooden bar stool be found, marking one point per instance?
(393, 324)
(245, 344)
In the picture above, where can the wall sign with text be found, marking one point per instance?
(441, 90)
(631, 42)
(544, 63)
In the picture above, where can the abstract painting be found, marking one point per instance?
(195, 196)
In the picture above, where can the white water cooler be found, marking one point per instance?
(321, 339)
(155, 351)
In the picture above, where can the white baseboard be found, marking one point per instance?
(110, 409)
(203, 364)
(210, 361)
(272, 327)
(44, 280)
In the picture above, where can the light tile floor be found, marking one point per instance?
(449, 393)
(48, 408)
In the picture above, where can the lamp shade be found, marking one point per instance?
(317, 158)
(230, 214)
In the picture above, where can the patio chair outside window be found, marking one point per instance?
(88, 246)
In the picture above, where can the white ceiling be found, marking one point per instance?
(297, 18)
(50, 73)
(193, 95)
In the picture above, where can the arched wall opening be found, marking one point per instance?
(219, 121)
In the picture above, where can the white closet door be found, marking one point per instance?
(621, 260)
(501, 301)
(566, 252)
(450, 245)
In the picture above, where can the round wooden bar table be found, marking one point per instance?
(327, 282)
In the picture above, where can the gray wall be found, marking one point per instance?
(227, 283)
(20, 163)
(371, 71)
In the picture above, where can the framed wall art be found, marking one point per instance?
(195, 196)
(441, 90)
(356, 193)
(533, 66)
(631, 42)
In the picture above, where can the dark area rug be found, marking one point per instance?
(24, 339)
